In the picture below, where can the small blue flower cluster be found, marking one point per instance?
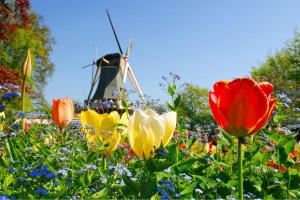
(21, 114)
(166, 189)
(10, 95)
(11, 170)
(120, 169)
(2, 107)
(161, 152)
(41, 191)
(4, 197)
(44, 172)
(15, 126)
(7, 86)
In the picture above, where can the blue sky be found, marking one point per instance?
(202, 41)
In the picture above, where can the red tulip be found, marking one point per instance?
(282, 168)
(27, 127)
(62, 112)
(243, 106)
(182, 147)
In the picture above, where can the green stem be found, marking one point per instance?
(240, 164)
(177, 153)
(23, 101)
(105, 163)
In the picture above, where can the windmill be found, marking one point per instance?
(110, 72)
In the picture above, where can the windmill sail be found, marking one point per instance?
(134, 82)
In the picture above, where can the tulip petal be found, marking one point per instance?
(262, 122)
(112, 141)
(221, 120)
(109, 122)
(62, 112)
(54, 111)
(137, 145)
(151, 112)
(136, 120)
(219, 87)
(156, 124)
(243, 104)
(170, 125)
(267, 88)
(148, 143)
(123, 123)
(130, 130)
(91, 118)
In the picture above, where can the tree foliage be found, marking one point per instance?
(283, 70)
(24, 29)
(194, 109)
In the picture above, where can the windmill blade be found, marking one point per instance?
(126, 57)
(125, 72)
(129, 49)
(134, 82)
(88, 65)
(96, 51)
(116, 37)
(95, 78)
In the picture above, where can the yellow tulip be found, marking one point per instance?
(2, 122)
(106, 128)
(2, 115)
(147, 129)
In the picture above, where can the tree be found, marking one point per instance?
(283, 70)
(24, 29)
(194, 109)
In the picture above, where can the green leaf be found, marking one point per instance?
(130, 185)
(148, 188)
(289, 147)
(3, 163)
(294, 193)
(171, 90)
(184, 164)
(101, 194)
(91, 157)
(170, 107)
(154, 165)
(273, 136)
(11, 149)
(177, 101)
(87, 179)
(258, 187)
(189, 189)
(8, 180)
(282, 155)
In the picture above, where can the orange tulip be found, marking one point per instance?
(62, 112)
(243, 106)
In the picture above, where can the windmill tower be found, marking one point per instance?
(109, 74)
